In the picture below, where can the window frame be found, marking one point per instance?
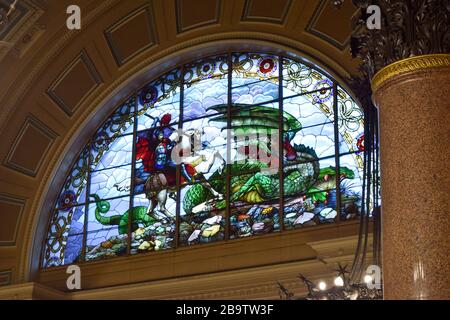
(281, 56)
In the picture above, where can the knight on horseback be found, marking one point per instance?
(155, 149)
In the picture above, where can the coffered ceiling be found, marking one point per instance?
(55, 83)
(266, 11)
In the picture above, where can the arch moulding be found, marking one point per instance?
(105, 98)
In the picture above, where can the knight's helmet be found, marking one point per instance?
(165, 120)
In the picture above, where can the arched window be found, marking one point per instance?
(132, 191)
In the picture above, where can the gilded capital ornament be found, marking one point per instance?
(409, 65)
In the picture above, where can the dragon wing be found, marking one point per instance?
(255, 123)
(250, 119)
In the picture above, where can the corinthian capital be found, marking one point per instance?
(408, 28)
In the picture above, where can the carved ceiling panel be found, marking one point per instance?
(30, 147)
(266, 10)
(11, 209)
(132, 35)
(77, 81)
(193, 14)
(332, 24)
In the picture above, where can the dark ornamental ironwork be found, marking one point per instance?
(362, 91)
(344, 289)
(337, 3)
(408, 28)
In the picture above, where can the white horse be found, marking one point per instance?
(188, 150)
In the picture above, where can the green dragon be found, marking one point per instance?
(249, 182)
(138, 216)
(327, 181)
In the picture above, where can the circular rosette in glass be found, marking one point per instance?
(67, 200)
(323, 91)
(148, 96)
(101, 142)
(206, 69)
(267, 67)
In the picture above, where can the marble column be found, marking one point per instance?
(413, 99)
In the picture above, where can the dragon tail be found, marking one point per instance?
(102, 207)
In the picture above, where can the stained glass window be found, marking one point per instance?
(230, 146)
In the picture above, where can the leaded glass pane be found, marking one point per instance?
(107, 228)
(73, 192)
(301, 78)
(153, 230)
(66, 230)
(255, 79)
(351, 123)
(159, 98)
(351, 184)
(118, 124)
(202, 216)
(205, 86)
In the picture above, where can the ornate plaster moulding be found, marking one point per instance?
(20, 28)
